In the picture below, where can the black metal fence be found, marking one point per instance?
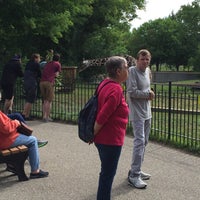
(176, 115)
(175, 109)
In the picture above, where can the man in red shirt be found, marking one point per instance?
(49, 73)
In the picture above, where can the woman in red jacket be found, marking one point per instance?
(9, 137)
(110, 125)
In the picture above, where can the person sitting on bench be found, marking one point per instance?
(9, 137)
(20, 118)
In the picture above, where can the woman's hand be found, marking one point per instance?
(17, 122)
(97, 127)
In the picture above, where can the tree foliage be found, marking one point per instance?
(173, 40)
(105, 31)
(189, 19)
(87, 29)
(27, 24)
(77, 29)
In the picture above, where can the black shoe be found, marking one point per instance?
(28, 118)
(40, 174)
(42, 143)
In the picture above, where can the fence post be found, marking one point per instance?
(69, 78)
(169, 109)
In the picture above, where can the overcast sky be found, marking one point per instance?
(158, 9)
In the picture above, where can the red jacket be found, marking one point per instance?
(112, 114)
(8, 131)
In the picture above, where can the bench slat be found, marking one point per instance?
(23, 148)
(14, 150)
(5, 152)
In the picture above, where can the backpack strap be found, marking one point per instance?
(102, 86)
(96, 93)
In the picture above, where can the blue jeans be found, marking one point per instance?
(109, 156)
(31, 143)
(17, 116)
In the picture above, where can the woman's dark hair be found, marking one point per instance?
(34, 56)
(113, 63)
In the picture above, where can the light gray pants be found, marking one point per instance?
(141, 129)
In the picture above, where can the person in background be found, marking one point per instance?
(32, 75)
(110, 124)
(139, 95)
(49, 73)
(9, 137)
(11, 71)
(48, 58)
(44, 61)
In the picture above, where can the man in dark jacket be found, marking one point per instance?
(32, 74)
(11, 71)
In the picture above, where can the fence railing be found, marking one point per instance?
(176, 115)
(175, 110)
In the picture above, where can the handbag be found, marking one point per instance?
(24, 129)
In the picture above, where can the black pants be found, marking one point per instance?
(109, 156)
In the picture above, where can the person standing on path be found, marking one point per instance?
(11, 71)
(110, 124)
(48, 58)
(32, 75)
(139, 95)
(49, 73)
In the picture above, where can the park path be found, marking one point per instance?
(74, 167)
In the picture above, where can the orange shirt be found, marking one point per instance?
(8, 131)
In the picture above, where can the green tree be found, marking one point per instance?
(189, 19)
(67, 26)
(173, 40)
(27, 25)
(195, 59)
(160, 37)
(105, 32)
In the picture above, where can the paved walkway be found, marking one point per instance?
(74, 168)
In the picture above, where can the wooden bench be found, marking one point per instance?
(15, 157)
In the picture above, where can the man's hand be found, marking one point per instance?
(151, 95)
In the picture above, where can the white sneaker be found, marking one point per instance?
(137, 182)
(145, 176)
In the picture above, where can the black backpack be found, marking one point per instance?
(87, 117)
